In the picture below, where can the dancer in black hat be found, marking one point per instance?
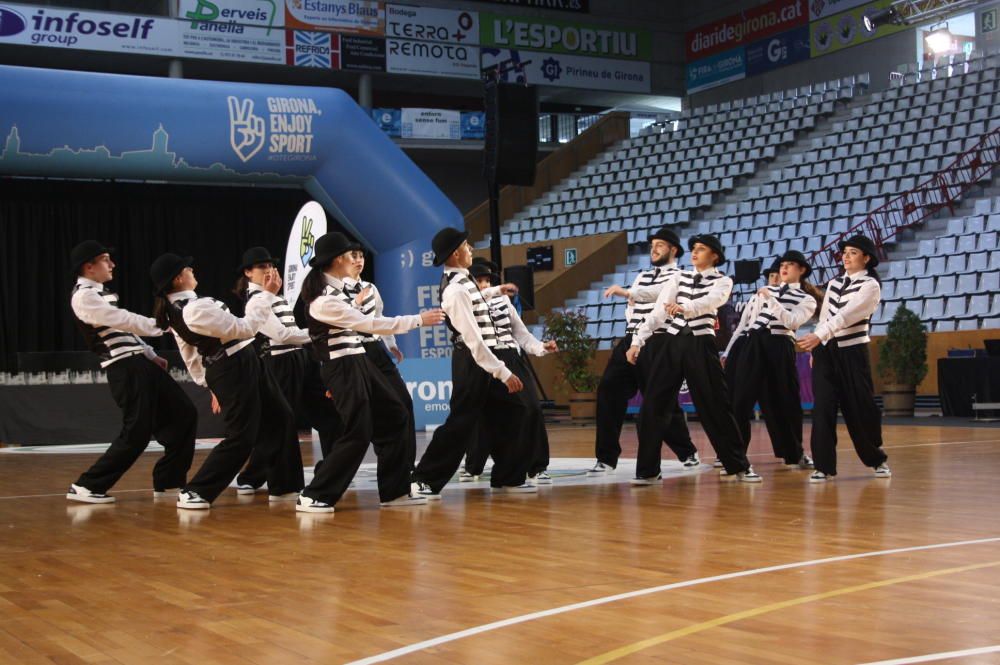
(510, 331)
(622, 379)
(152, 403)
(689, 302)
(282, 348)
(486, 392)
(369, 406)
(217, 348)
(764, 369)
(842, 374)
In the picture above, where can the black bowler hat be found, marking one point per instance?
(864, 244)
(796, 256)
(330, 246)
(710, 241)
(86, 251)
(445, 242)
(256, 255)
(774, 267)
(481, 260)
(666, 234)
(482, 269)
(165, 268)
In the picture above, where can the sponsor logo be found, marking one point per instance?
(246, 130)
(307, 241)
(287, 132)
(209, 16)
(11, 23)
(311, 49)
(551, 69)
(62, 29)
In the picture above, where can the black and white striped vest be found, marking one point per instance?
(839, 293)
(283, 311)
(367, 307)
(211, 349)
(480, 309)
(106, 343)
(788, 297)
(332, 342)
(692, 285)
(500, 312)
(637, 313)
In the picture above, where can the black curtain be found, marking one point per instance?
(41, 220)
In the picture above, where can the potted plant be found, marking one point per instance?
(902, 362)
(576, 353)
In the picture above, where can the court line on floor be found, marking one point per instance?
(564, 609)
(641, 645)
(931, 657)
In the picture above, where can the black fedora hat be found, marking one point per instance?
(85, 251)
(483, 269)
(256, 255)
(330, 246)
(710, 241)
(165, 268)
(482, 260)
(796, 256)
(865, 244)
(445, 242)
(667, 234)
(774, 267)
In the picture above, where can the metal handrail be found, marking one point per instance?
(939, 191)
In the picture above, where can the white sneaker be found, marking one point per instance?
(524, 488)
(192, 501)
(652, 480)
(717, 464)
(84, 495)
(276, 498)
(245, 489)
(692, 461)
(543, 478)
(819, 477)
(805, 462)
(725, 476)
(424, 490)
(466, 477)
(749, 476)
(405, 500)
(882, 471)
(600, 469)
(167, 493)
(306, 505)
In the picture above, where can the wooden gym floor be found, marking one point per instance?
(694, 571)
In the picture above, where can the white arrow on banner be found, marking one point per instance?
(310, 224)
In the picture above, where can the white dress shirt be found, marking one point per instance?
(92, 309)
(712, 296)
(456, 301)
(274, 329)
(855, 310)
(335, 312)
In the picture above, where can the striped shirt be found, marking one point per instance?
(501, 310)
(329, 341)
(850, 302)
(788, 308)
(643, 292)
(110, 332)
(701, 294)
(281, 334)
(468, 316)
(371, 306)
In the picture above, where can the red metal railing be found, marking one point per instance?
(939, 191)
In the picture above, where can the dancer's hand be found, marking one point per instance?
(431, 317)
(216, 407)
(809, 342)
(722, 359)
(161, 363)
(397, 354)
(615, 290)
(632, 355)
(272, 282)
(514, 384)
(765, 293)
(673, 309)
(551, 346)
(508, 289)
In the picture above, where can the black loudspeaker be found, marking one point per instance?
(524, 278)
(511, 147)
(747, 272)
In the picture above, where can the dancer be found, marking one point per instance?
(217, 348)
(151, 402)
(842, 373)
(369, 406)
(691, 301)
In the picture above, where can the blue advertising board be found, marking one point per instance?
(778, 51)
(389, 121)
(716, 70)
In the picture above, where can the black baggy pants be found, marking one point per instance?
(618, 385)
(297, 376)
(482, 445)
(764, 372)
(694, 358)
(842, 376)
(152, 405)
(379, 355)
(479, 400)
(257, 419)
(372, 413)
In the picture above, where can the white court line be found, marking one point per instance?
(496, 625)
(944, 655)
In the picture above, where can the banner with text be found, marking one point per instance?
(822, 8)
(716, 70)
(431, 25)
(231, 30)
(537, 34)
(784, 49)
(845, 30)
(351, 16)
(431, 59)
(430, 124)
(430, 386)
(568, 71)
(581, 6)
(746, 27)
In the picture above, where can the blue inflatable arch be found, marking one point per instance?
(87, 125)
